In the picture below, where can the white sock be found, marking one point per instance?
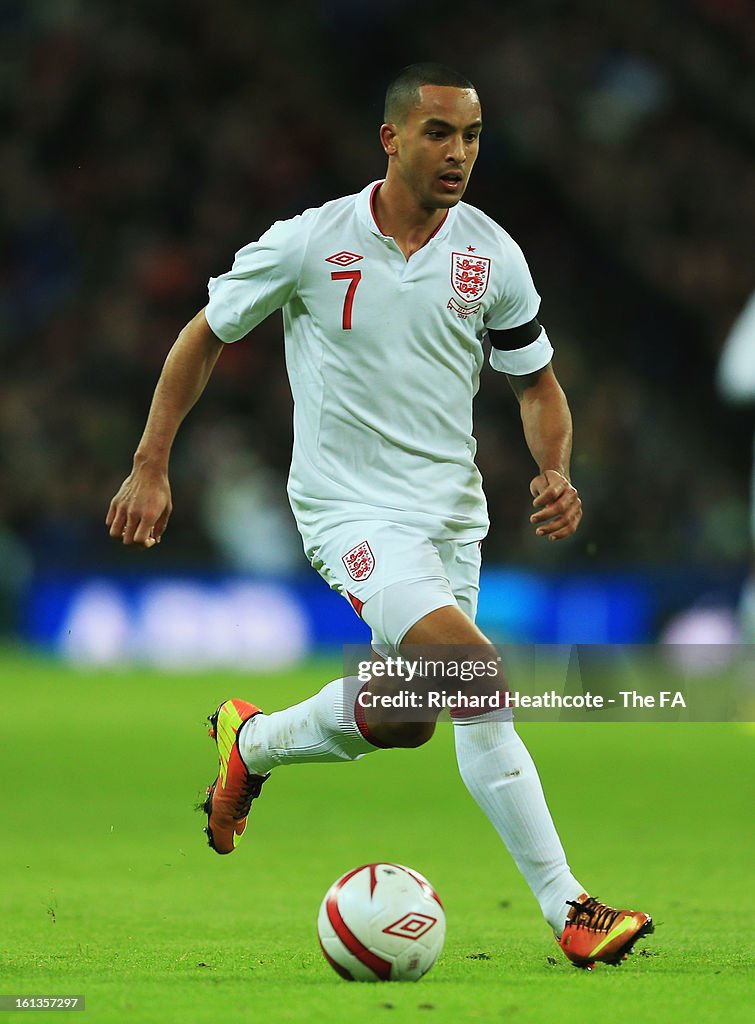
(500, 774)
(322, 728)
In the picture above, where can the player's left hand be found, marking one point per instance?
(557, 503)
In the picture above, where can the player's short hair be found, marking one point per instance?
(403, 92)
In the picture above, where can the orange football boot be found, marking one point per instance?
(596, 933)
(230, 796)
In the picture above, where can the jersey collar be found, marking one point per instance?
(366, 214)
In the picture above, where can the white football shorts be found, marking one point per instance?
(393, 575)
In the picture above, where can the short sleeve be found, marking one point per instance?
(519, 301)
(263, 278)
(520, 361)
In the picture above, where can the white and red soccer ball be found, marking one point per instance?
(381, 922)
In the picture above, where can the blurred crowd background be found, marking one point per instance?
(143, 143)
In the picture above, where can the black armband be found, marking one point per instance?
(516, 337)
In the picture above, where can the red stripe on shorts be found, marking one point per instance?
(361, 722)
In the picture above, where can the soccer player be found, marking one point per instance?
(387, 299)
(736, 382)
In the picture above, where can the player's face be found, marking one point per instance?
(437, 145)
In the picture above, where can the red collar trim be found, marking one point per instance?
(375, 187)
(438, 227)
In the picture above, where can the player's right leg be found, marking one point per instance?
(230, 796)
(331, 725)
(325, 727)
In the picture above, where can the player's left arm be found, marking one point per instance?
(547, 424)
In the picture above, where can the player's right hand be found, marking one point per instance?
(140, 511)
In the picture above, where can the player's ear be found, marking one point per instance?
(388, 133)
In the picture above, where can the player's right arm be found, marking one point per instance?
(263, 278)
(139, 512)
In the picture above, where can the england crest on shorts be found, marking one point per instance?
(359, 562)
(469, 275)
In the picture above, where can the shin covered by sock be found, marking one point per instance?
(323, 728)
(500, 774)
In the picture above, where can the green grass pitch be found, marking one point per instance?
(107, 888)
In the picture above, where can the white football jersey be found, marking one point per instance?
(384, 356)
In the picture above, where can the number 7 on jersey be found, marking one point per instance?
(354, 277)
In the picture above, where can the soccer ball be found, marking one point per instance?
(381, 922)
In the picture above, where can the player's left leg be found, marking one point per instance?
(500, 774)
(496, 766)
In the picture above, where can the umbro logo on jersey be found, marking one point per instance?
(344, 258)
